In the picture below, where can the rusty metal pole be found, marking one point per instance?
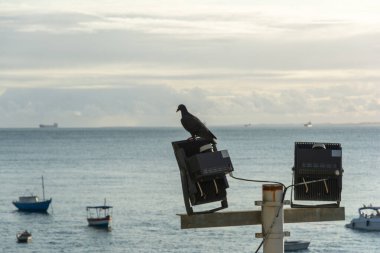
(272, 215)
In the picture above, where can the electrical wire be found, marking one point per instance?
(255, 181)
(282, 199)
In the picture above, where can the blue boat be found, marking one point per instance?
(32, 203)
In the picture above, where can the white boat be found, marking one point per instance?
(308, 124)
(296, 245)
(369, 219)
(24, 236)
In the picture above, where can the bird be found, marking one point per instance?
(194, 126)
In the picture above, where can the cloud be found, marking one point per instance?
(135, 106)
(246, 60)
(194, 20)
(97, 107)
(240, 35)
(230, 80)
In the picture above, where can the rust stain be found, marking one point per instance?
(273, 188)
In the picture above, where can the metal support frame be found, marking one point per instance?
(271, 217)
(195, 180)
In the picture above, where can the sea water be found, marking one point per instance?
(136, 171)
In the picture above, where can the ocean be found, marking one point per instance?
(136, 171)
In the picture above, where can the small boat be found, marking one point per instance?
(32, 203)
(368, 220)
(308, 124)
(296, 245)
(99, 216)
(55, 125)
(24, 236)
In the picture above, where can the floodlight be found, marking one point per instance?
(317, 173)
(203, 173)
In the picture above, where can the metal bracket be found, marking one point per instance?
(273, 235)
(260, 203)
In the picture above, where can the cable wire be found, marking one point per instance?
(282, 199)
(255, 181)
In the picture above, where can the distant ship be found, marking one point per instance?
(55, 125)
(308, 124)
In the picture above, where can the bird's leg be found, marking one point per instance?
(192, 138)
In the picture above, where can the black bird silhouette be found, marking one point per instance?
(194, 126)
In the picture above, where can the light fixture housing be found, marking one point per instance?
(317, 173)
(203, 172)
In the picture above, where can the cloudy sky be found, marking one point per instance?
(94, 63)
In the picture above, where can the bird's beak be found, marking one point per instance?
(177, 110)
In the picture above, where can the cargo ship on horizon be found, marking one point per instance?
(55, 125)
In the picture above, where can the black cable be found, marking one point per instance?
(256, 181)
(282, 199)
(261, 244)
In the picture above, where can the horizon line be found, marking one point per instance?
(247, 125)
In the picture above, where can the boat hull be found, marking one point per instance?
(41, 206)
(296, 245)
(100, 222)
(24, 237)
(370, 224)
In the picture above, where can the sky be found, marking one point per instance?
(98, 63)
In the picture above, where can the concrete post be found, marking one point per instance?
(272, 225)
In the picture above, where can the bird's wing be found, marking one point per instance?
(213, 136)
(202, 130)
(196, 127)
(206, 133)
(191, 123)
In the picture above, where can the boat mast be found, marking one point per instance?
(43, 188)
